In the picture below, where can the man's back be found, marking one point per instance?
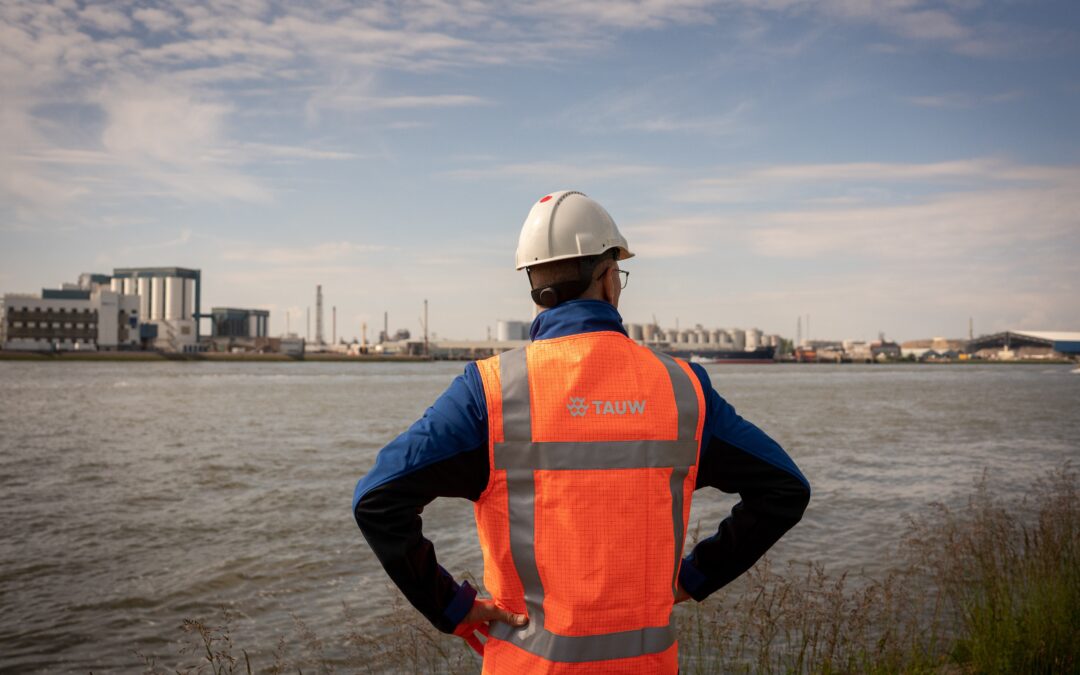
(593, 452)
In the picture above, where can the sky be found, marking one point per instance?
(893, 166)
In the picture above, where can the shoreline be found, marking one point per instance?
(204, 357)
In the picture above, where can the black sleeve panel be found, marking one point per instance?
(389, 517)
(773, 501)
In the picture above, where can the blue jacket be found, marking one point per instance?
(445, 454)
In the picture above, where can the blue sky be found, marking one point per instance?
(882, 165)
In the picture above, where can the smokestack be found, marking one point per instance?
(318, 316)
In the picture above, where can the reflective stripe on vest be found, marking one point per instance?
(520, 457)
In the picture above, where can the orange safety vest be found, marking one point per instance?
(593, 448)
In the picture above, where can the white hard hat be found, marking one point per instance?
(567, 224)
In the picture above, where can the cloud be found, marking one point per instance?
(359, 102)
(156, 20)
(959, 99)
(946, 226)
(892, 211)
(105, 19)
(857, 181)
(657, 108)
(301, 255)
(557, 172)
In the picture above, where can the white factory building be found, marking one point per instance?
(735, 339)
(169, 301)
(146, 307)
(69, 319)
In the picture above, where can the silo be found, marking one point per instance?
(684, 336)
(130, 287)
(650, 332)
(738, 338)
(174, 298)
(724, 341)
(701, 336)
(253, 325)
(637, 332)
(714, 336)
(117, 285)
(753, 339)
(143, 289)
(157, 298)
(189, 299)
(671, 336)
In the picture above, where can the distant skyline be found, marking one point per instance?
(885, 165)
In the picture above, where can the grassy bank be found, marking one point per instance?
(989, 587)
(136, 356)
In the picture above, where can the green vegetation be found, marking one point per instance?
(990, 587)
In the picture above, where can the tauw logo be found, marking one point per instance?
(578, 407)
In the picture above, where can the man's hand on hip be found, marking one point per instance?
(480, 616)
(486, 611)
(681, 595)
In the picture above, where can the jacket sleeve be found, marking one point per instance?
(444, 454)
(737, 457)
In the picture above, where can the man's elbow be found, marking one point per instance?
(366, 513)
(788, 509)
(801, 501)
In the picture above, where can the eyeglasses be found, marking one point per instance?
(624, 276)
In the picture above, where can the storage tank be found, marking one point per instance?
(714, 336)
(701, 336)
(511, 330)
(753, 339)
(117, 285)
(650, 332)
(142, 287)
(157, 298)
(189, 299)
(724, 340)
(671, 336)
(738, 338)
(637, 332)
(253, 325)
(174, 298)
(130, 287)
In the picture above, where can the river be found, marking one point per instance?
(135, 495)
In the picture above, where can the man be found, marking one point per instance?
(581, 453)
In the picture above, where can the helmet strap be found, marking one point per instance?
(551, 295)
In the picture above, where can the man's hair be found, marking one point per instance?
(562, 280)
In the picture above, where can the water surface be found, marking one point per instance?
(134, 495)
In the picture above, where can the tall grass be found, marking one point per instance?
(990, 587)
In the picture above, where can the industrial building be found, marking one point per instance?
(134, 307)
(70, 319)
(1014, 344)
(233, 329)
(169, 300)
(512, 330)
(230, 322)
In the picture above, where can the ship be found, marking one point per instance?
(705, 356)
